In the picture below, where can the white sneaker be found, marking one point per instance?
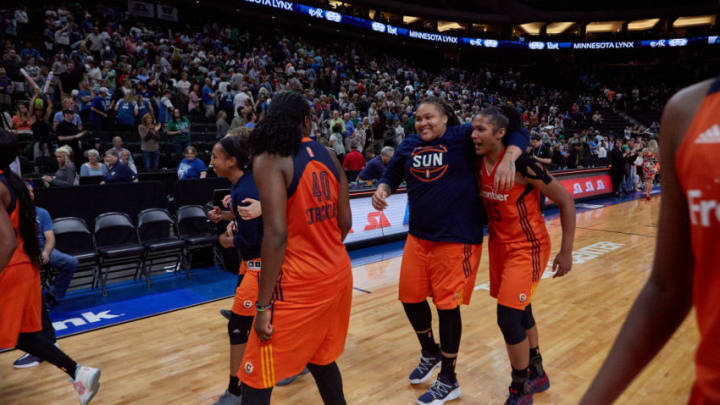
(86, 383)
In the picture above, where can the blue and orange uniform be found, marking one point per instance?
(313, 293)
(519, 243)
(697, 169)
(444, 244)
(248, 241)
(20, 291)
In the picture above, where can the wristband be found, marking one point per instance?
(262, 308)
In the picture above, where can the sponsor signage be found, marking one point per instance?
(584, 186)
(386, 29)
(368, 223)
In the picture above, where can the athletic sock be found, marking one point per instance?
(519, 380)
(534, 352)
(234, 386)
(427, 342)
(536, 362)
(447, 368)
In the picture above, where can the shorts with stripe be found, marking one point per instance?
(303, 333)
(516, 270)
(445, 271)
(246, 294)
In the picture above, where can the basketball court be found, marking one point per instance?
(181, 357)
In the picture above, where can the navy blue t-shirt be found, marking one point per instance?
(248, 238)
(443, 197)
(373, 169)
(120, 173)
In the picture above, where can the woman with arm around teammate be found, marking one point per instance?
(444, 243)
(20, 286)
(519, 245)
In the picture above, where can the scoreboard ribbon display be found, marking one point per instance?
(393, 31)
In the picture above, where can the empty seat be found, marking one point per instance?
(117, 243)
(72, 236)
(163, 246)
(195, 228)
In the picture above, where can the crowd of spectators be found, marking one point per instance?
(96, 71)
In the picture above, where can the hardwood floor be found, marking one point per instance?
(182, 357)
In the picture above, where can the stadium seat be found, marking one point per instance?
(118, 244)
(194, 227)
(162, 245)
(72, 236)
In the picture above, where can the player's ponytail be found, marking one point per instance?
(514, 118)
(9, 150)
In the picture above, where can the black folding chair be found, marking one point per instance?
(195, 228)
(117, 243)
(73, 236)
(162, 245)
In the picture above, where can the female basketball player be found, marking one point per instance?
(443, 247)
(303, 306)
(20, 290)
(519, 245)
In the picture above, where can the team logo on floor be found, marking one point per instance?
(249, 367)
(428, 163)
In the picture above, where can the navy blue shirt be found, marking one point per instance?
(120, 173)
(443, 197)
(248, 238)
(373, 169)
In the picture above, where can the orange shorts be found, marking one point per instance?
(20, 303)
(302, 333)
(443, 270)
(516, 270)
(246, 294)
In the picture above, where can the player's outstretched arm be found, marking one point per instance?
(666, 298)
(271, 174)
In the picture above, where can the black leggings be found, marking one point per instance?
(40, 346)
(327, 378)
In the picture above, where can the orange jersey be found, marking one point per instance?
(316, 261)
(513, 216)
(698, 171)
(19, 257)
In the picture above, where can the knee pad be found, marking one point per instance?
(528, 320)
(239, 328)
(510, 321)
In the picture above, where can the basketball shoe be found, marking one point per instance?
(519, 398)
(441, 391)
(538, 379)
(227, 398)
(422, 372)
(86, 383)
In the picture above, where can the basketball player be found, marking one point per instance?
(685, 271)
(20, 289)
(519, 245)
(303, 306)
(444, 243)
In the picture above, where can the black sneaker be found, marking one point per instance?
(27, 360)
(226, 313)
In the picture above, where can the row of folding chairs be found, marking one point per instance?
(117, 246)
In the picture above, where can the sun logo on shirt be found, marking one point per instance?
(427, 163)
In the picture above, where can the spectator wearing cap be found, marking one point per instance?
(93, 166)
(98, 115)
(117, 172)
(376, 166)
(67, 105)
(540, 151)
(353, 162)
(69, 133)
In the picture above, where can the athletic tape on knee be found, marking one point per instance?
(511, 325)
(239, 328)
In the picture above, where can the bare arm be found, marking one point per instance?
(666, 298)
(8, 242)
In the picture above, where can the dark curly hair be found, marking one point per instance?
(9, 150)
(444, 107)
(280, 132)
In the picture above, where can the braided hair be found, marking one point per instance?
(9, 150)
(444, 107)
(280, 132)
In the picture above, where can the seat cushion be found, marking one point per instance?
(124, 250)
(198, 240)
(87, 256)
(164, 244)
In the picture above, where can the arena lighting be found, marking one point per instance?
(409, 19)
(693, 21)
(641, 25)
(558, 27)
(532, 28)
(604, 26)
(449, 25)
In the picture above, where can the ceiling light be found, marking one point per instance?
(693, 21)
(604, 26)
(532, 28)
(641, 25)
(558, 27)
